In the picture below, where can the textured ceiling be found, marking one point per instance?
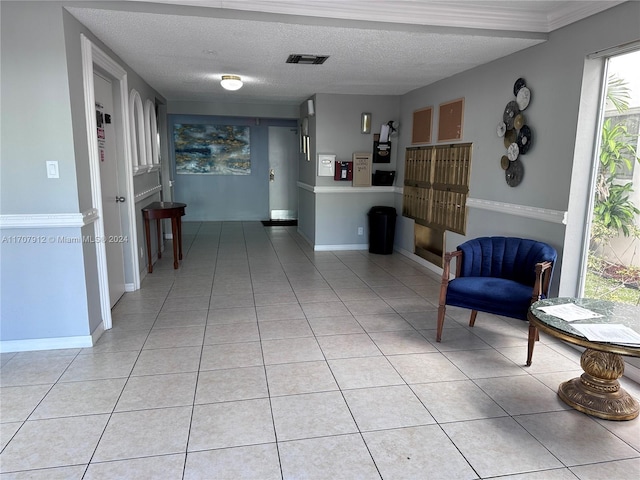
(183, 50)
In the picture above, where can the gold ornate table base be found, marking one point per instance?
(597, 391)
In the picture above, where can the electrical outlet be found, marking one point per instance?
(360, 230)
(141, 252)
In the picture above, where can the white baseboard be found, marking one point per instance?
(56, 343)
(301, 233)
(632, 373)
(328, 248)
(420, 260)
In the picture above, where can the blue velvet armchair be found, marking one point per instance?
(499, 275)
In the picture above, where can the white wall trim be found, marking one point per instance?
(328, 248)
(553, 216)
(147, 193)
(562, 17)
(306, 239)
(420, 260)
(92, 56)
(346, 189)
(305, 186)
(632, 372)
(137, 132)
(59, 343)
(49, 220)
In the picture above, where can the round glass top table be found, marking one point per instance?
(597, 391)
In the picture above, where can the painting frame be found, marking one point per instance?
(212, 149)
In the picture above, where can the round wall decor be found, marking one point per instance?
(515, 133)
(513, 175)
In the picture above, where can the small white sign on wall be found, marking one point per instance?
(326, 165)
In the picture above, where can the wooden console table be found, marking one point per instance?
(157, 211)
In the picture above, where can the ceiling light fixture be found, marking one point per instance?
(231, 82)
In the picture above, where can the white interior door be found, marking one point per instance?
(111, 197)
(283, 173)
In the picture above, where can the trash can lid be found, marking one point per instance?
(382, 210)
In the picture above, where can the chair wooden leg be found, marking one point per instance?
(533, 338)
(472, 319)
(441, 311)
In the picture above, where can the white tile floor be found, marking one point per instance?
(261, 359)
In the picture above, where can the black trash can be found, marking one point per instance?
(382, 229)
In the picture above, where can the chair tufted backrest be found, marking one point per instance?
(504, 257)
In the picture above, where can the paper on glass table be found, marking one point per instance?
(569, 312)
(611, 333)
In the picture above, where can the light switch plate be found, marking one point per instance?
(52, 169)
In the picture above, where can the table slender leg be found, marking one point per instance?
(180, 237)
(159, 234)
(147, 232)
(533, 336)
(174, 234)
(597, 391)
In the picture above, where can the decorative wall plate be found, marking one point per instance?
(518, 85)
(513, 175)
(513, 151)
(510, 112)
(524, 139)
(519, 121)
(523, 98)
(504, 162)
(502, 128)
(510, 137)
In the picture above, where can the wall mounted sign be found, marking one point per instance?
(516, 134)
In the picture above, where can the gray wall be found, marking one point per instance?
(43, 286)
(335, 129)
(36, 112)
(48, 289)
(554, 72)
(227, 197)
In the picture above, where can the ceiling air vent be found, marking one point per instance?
(307, 59)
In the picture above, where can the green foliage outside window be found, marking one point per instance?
(614, 211)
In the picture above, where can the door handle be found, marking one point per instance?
(272, 175)
(120, 199)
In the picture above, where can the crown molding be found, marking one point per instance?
(484, 15)
(577, 11)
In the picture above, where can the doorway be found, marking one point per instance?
(112, 198)
(95, 60)
(283, 173)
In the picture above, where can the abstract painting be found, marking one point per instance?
(212, 149)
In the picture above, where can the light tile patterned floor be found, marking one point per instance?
(261, 359)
